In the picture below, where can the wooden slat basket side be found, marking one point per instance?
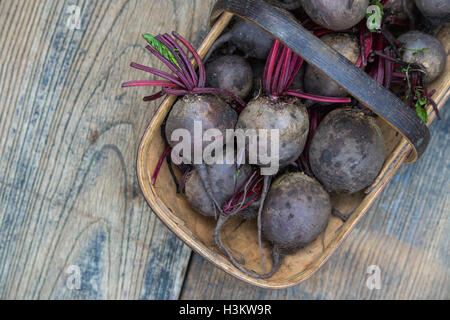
(240, 235)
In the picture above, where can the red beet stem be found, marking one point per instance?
(270, 64)
(183, 180)
(285, 76)
(276, 77)
(316, 98)
(158, 73)
(187, 82)
(249, 188)
(160, 162)
(366, 43)
(155, 96)
(149, 83)
(201, 66)
(280, 70)
(399, 75)
(237, 193)
(181, 63)
(184, 57)
(389, 67)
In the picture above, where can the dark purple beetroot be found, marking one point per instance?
(296, 211)
(347, 151)
(434, 8)
(336, 15)
(316, 82)
(210, 110)
(289, 118)
(426, 50)
(258, 70)
(232, 73)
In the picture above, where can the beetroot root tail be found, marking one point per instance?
(267, 180)
(277, 257)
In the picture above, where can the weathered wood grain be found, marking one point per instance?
(68, 143)
(405, 233)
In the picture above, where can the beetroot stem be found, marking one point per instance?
(186, 62)
(172, 67)
(284, 77)
(155, 96)
(183, 180)
(317, 98)
(399, 75)
(270, 67)
(276, 77)
(182, 65)
(158, 73)
(160, 162)
(201, 66)
(149, 83)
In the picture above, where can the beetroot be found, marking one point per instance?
(336, 15)
(291, 119)
(425, 50)
(434, 8)
(231, 73)
(296, 211)
(347, 151)
(319, 84)
(210, 110)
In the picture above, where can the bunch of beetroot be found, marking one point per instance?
(328, 143)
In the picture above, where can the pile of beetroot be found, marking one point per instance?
(328, 142)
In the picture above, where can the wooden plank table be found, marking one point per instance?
(71, 213)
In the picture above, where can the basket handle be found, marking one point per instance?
(359, 84)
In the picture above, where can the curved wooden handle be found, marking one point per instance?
(359, 84)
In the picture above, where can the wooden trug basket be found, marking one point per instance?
(241, 236)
